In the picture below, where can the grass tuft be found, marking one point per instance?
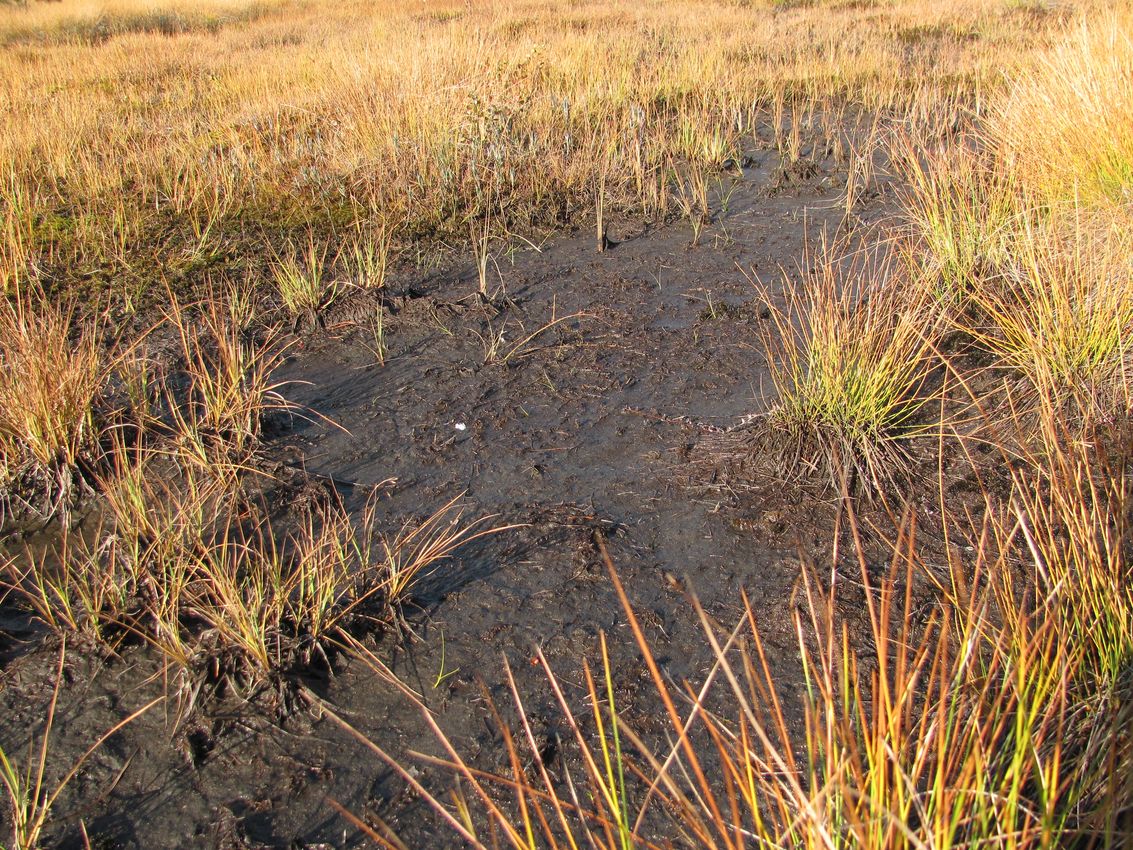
(962, 210)
(849, 355)
(53, 371)
(184, 563)
(368, 256)
(1065, 128)
(1061, 313)
(300, 280)
(230, 387)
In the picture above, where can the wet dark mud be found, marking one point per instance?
(569, 405)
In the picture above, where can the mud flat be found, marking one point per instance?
(570, 405)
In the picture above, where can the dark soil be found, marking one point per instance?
(588, 428)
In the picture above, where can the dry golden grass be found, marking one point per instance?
(140, 139)
(53, 371)
(1066, 129)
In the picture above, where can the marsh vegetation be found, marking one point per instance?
(680, 424)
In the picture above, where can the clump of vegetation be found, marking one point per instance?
(54, 368)
(185, 564)
(963, 210)
(67, 391)
(180, 556)
(1066, 127)
(300, 280)
(230, 388)
(369, 254)
(850, 352)
(1061, 312)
